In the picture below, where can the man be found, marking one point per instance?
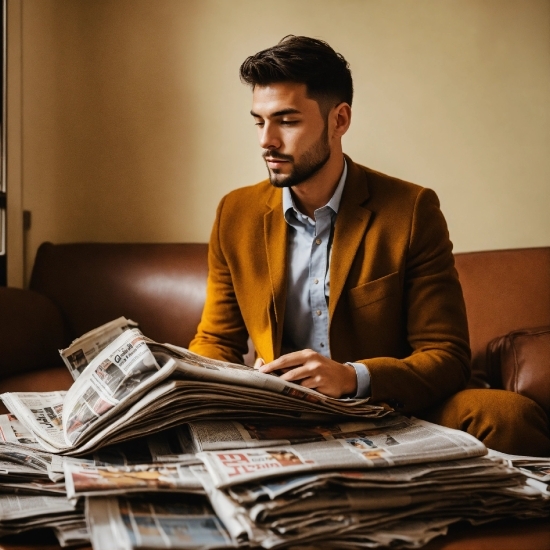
(344, 277)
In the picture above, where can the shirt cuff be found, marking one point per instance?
(363, 380)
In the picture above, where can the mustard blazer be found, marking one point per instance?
(395, 304)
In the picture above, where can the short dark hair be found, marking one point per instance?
(303, 60)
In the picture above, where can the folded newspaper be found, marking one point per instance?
(411, 441)
(217, 435)
(135, 386)
(340, 508)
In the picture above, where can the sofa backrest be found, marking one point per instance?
(160, 286)
(163, 286)
(504, 290)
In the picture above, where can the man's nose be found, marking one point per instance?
(269, 138)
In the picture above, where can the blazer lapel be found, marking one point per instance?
(349, 231)
(275, 235)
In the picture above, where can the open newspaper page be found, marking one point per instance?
(232, 514)
(172, 445)
(18, 462)
(84, 478)
(82, 350)
(72, 534)
(26, 469)
(23, 512)
(13, 431)
(26, 506)
(24, 465)
(41, 414)
(214, 435)
(535, 467)
(163, 447)
(411, 441)
(120, 373)
(25, 487)
(120, 523)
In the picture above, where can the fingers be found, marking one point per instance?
(288, 361)
(312, 370)
(259, 363)
(296, 374)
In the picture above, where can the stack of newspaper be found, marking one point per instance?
(396, 483)
(113, 398)
(351, 485)
(32, 493)
(536, 468)
(164, 448)
(40, 489)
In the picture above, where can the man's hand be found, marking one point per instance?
(312, 370)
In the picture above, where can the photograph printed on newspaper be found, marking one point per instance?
(121, 523)
(84, 478)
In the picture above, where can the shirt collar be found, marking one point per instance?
(333, 203)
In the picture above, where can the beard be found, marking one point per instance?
(309, 164)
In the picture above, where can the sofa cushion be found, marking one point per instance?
(521, 360)
(32, 332)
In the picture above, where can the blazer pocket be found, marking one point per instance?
(374, 291)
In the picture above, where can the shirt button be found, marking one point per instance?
(315, 281)
(317, 241)
(322, 345)
(318, 312)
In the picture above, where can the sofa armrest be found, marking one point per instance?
(520, 361)
(32, 331)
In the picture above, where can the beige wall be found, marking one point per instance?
(135, 123)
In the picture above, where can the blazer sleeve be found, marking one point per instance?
(221, 334)
(435, 320)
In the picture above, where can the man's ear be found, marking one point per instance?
(340, 117)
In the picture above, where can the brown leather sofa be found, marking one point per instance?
(77, 287)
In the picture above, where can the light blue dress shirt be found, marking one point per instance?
(306, 323)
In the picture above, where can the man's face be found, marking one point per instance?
(292, 132)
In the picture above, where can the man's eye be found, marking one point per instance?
(289, 122)
(258, 124)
